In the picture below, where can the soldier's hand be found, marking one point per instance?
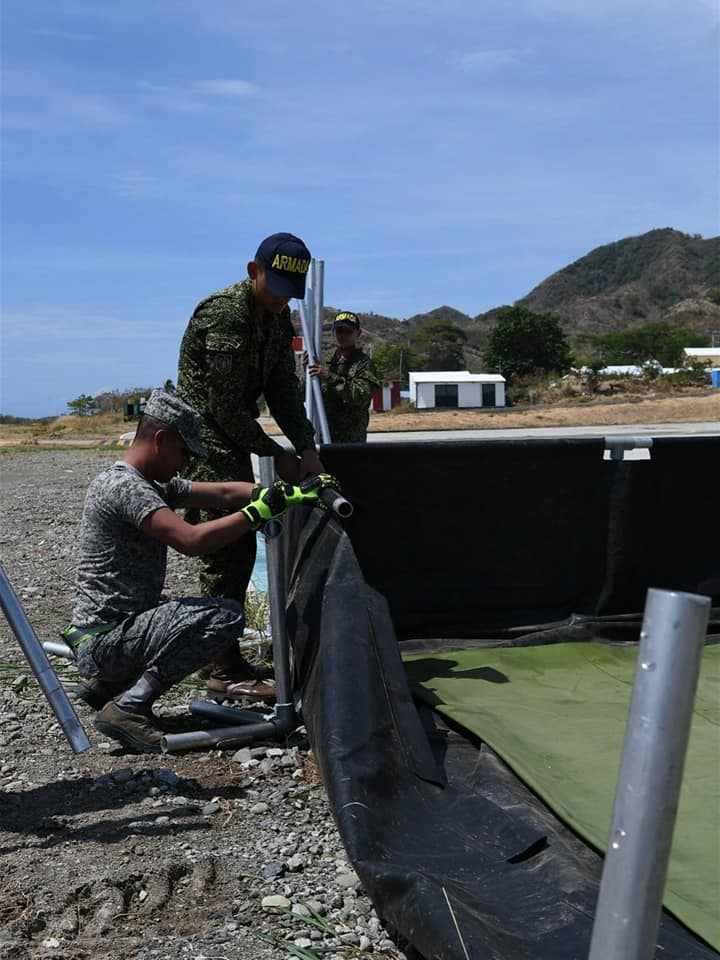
(320, 481)
(309, 464)
(288, 467)
(301, 493)
(266, 503)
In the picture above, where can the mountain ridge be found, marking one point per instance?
(662, 276)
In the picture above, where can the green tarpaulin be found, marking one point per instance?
(556, 714)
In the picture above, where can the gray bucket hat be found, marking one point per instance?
(171, 410)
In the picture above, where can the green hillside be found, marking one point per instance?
(662, 276)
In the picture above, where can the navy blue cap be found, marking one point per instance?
(286, 261)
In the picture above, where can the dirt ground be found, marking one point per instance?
(697, 406)
(680, 408)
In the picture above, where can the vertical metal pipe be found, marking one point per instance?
(37, 658)
(319, 303)
(305, 308)
(648, 788)
(276, 596)
(318, 402)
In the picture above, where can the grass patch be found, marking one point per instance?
(313, 920)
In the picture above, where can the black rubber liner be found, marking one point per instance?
(459, 858)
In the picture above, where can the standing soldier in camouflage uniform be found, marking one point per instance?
(238, 347)
(349, 380)
(129, 645)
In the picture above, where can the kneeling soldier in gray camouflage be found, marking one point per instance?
(129, 645)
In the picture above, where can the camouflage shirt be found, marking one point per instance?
(120, 569)
(347, 390)
(228, 359)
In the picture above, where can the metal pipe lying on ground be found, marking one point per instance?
(239, 734)
(58, 649)
(223, 715)
(40, 665)
(235, 736)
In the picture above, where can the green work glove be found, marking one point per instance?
(266, 503)
(320, 481)
(302, 493)
(309, 489)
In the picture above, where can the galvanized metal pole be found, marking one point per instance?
(648, 788)
(276, 597)
(305, 308)
(318, 403)
(37, 658)
(284, 719)
(319, 302)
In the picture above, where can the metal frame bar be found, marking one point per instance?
(243, 727)
(617, 445)
(648, 788)
(38, 660)
(311, 313)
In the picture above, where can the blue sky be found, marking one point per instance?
(430, 153)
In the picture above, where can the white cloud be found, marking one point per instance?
(226, 88)
(200, 96)
(40, 323)
(63, 34)
(136, 185)
(486, 61)
(89, 108)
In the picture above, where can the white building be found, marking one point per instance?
(456, 388)
(710, 356)
(635, 370)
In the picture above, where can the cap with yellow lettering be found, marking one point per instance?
(347, 319)
(286, 261)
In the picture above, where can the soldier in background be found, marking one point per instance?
(349, 380)
(238, 347)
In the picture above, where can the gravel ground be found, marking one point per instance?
(228, 855)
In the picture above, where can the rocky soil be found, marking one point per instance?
(228, 855)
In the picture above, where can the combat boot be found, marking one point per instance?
(235, 677)
(94, 692)
(129, 718)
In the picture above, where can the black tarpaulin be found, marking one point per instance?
(500, 543)
(458, 857)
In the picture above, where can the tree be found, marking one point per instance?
(653, 341)
(440, 345)
(394, 360)
(82, 406)
(522, 342)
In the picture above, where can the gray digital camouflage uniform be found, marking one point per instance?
(229, 359)
(119, 581)
(347, 391)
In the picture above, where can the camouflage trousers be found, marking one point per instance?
(171, 641)
(227, 572)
